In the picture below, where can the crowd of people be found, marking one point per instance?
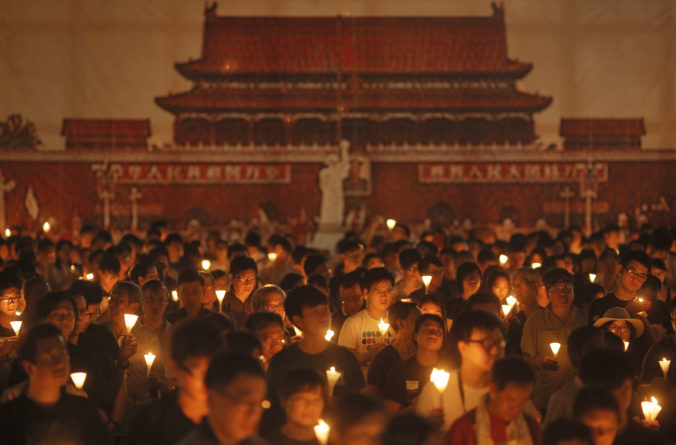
(393, 339)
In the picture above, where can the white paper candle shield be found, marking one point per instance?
(391, 223)
(150, 359)
(439, 378)
(664, 364)
(511, 300)
(383, 326)
(626, 345)
(503, 259)
(592, 277)
(555, 348)
(322, 432)
(130, 321)
(16, 325)
(332, 377)
(78, 379)
(220, 294)
(427, 279)
(206, 264)
(506, 309)
(272, 256)
(297, 331)
(651, 409)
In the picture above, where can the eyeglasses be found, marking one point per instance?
(9, 300)
(633, 273)
(389, 292)
(488, 343)
(273, 307)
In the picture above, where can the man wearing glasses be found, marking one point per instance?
(549, 325)
(634, 272)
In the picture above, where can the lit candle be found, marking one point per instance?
(174, 295)
(220, 294)
(272, 256)
(46, 227)
(427, 279)
(664, 364)
(651, 409)
(535, 265)
(503, 259)
(16, 325)
(261, 358)
(78, 379)
(329, 335)
(130, 321)
(626, 345)
(592, 277)
(383, 326)
(555, 348)
(18, 313)
(439, 378)
(511, 300)
(332, 377)
(206, 264)
(8, 233)
(297, 331)
(506, 309)
(322, 432)
(150, 358)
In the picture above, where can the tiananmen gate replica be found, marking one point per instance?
(423, 111)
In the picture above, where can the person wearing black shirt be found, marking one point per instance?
(170, 419)
(402, 317)
(45, 412)
(406, 380)
(634, 272)
(308, 309)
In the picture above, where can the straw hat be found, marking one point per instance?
(620, 313)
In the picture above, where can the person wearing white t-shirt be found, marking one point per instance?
(361, 333)
(480, 342)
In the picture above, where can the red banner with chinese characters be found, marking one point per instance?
(198, 174)
(510, 172)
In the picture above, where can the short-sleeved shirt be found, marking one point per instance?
(406, 380)
(339, 357)
(381, 365)
(599, 307)
(360, 332)
(541, 329)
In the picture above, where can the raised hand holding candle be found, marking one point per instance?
(150, 358)
(664, 364)
(651, 409)
(78, 379)
(332, 377)
(130, 321)
(329, 335)
(16, 325)
(322, 432)
(383, 326)
(555, 348)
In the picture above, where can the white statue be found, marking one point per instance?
(331, 180)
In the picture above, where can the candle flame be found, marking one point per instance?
(150, 358)
(383, 326)
(427, 279)
(329, 335)
(592, 277)
(130, 321)
(272, 256)
(220, 294)
(535, 265)
(322, 432)
(206, 264)
(78, 379)
(555, 348)
(46, 227)
(16, 325)
(503, 259)
(511, 300)
(391, 223)
(174, 295)
(506, 309)
(439, 378)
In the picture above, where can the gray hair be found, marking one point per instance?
(528, 274)
(258, 297)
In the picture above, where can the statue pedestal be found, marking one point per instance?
(325, 240)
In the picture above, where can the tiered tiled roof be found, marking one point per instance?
(370, 45)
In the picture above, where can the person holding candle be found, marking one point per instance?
(499, 417)
(496, 281)
(406, 380)
(270, 298)
(468, 278)
(611, 370)
(403, 317)
(244, 280)
(350, 299)
(525, 283)
(155, 303)
(552, 324)
(637, 333)
(308, 309)
(302, 395)
(269, 328)
(282, 264)
(477, 338)
(10, 286)
(44, 412)
(409, 260)
(361, 332)
(664, 351)
(236, 387)
(432, 266)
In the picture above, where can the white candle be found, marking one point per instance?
(511, 300)
(78, 379)
(272, 256)
(332, 377)
(391, 223)
(329, 335)
(664, 364)
(150, 358)
(503, 259)
(383, 326)
(174, 295)
(626, 345)
(297, 331)
(555, 348)
(8, 233)
(220, 294)
(130, 321)
(439, 378)
(322, 432)
(535, 265)
(651, 409)
(206, 264)
(46, 227)
(592, 277)
(506, 309)
(16, 325)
